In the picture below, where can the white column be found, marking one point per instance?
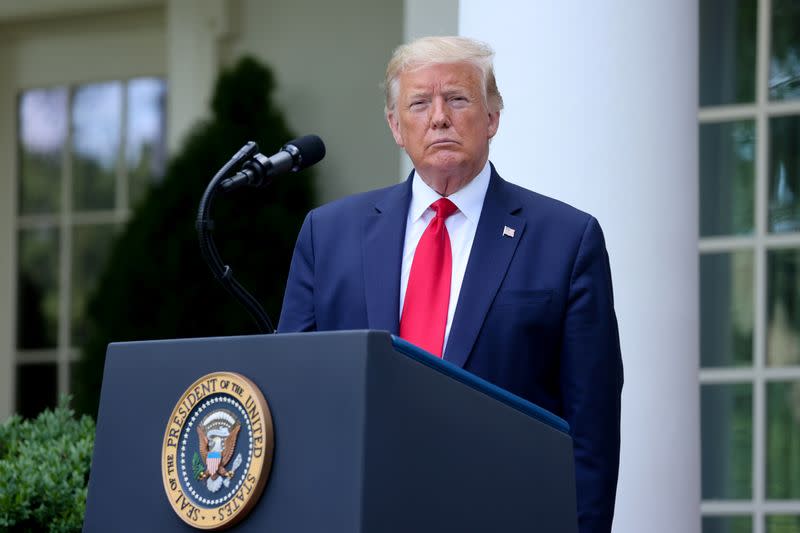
(194, 29)
(600, 112)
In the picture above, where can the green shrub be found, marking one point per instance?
(44, 470)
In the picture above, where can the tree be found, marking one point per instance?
(155, 284)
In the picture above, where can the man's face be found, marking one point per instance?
(442, 121)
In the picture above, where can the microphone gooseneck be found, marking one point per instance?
(256, 171)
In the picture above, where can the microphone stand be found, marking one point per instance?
(222, 272)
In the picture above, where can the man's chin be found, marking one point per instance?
(454, 171)
(445, 164)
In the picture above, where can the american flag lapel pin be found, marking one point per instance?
(508, 232)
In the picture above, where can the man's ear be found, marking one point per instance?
(394, 125)
(494, 123)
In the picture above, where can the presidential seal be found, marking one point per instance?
(217, 451)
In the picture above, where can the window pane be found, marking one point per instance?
(97, 123)
(784, 174)
(783, 440)
(726, 415)
(727, 524)
(783, 307)
(783, 524)
(42, 132)
(90, 247)
(37, 388)
(727, 51)
(37, 288)
(726, 308)
(74, 368)
(727, 156)
(784, 65)
(145, 150)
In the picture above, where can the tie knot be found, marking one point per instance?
(444, 208)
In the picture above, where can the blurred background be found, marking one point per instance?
(677, 124)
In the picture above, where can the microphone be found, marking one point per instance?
(293, 156)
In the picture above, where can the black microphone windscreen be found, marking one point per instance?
(311, 150)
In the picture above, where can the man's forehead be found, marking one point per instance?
(443, 75)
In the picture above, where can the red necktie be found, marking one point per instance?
(428, 293)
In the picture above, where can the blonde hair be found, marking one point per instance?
(435, 50)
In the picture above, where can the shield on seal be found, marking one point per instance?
(215, 431)
(212, 462)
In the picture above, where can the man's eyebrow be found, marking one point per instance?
(419, 94)
(455, 89)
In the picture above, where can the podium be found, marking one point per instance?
(371, 435)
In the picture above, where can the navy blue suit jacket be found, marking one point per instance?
(535, 314)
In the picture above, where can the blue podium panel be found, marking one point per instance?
(369, 437)
(444, 455)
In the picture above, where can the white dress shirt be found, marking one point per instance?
(461, 227)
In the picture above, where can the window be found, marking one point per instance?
(87, 155)
(749, 246)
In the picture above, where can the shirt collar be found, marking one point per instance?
(469, 199)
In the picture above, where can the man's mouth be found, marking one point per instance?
(443, 141)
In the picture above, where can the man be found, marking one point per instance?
(508, 284)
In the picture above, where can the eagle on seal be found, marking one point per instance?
(216, 450)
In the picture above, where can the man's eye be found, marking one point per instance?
(417, 104)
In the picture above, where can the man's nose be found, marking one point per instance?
(440, 117)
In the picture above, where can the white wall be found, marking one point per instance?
(601, 113)
(329, 59)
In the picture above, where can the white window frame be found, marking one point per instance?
(97, 43)
(65, 221)
(759, 375)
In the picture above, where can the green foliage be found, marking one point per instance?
(155, 284)
(197, 466)
(45, 468)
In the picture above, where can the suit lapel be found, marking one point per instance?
(384, 235)
(488, 262)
